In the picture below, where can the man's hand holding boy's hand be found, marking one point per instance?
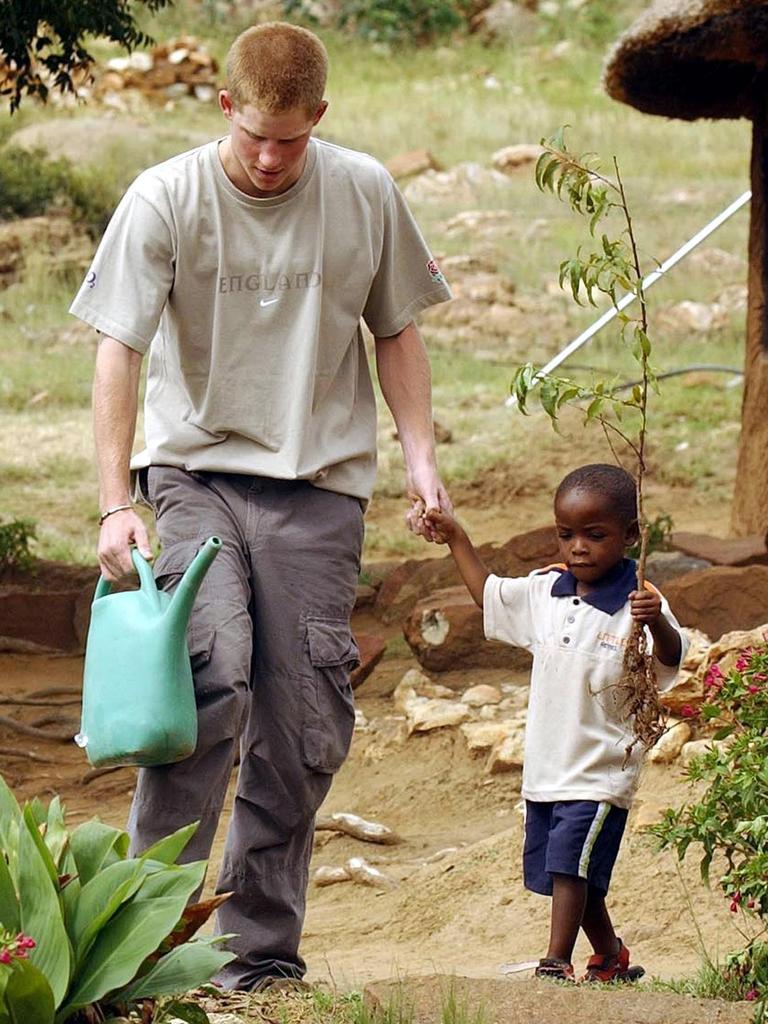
(645, 606)
(442, 526)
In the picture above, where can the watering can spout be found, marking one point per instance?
(184, 596)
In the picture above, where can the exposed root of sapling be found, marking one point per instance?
(638, 693)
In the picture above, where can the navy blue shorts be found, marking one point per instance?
(571, 837)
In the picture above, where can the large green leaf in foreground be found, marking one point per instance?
(178, 971)
(121, 947)
(41, 915)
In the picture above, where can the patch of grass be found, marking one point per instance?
(320, 1006)
(710, 981)
(397, 647)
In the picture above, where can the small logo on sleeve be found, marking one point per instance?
(435, 272)
(91, 279)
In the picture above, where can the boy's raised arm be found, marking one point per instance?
(448, 531)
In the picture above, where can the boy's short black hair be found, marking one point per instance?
(611, 482)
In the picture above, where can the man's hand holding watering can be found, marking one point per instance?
(121, 529)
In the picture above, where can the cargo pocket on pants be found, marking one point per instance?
(329, 710)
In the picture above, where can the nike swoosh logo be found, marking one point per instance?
(268, 302)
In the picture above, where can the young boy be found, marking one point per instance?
(575, 618)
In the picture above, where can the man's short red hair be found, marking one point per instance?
(277, 67)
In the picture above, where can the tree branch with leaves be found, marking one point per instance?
(43, 42)
(610, 265)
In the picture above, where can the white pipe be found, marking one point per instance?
(648, 281)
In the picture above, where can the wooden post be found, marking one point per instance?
(750, 500)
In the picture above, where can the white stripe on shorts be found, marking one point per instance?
(602, 812)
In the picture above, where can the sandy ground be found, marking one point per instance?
(466, 912)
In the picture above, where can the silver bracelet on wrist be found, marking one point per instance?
(111, 511)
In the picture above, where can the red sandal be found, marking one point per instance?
(612, 968)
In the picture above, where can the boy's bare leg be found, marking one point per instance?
(569, 901)
(598, 926)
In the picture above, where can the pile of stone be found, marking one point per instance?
(491, 719)
(179, 67)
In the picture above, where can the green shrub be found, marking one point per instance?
(730, 816)
(88, 932)
(15, 539)
(394, 21)
(30, 184)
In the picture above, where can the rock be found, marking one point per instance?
(365, 596)
(485, 289)
(416, 684)
(512, 158)
(371, 647)
(445, 631)
(505, 20)
(405, 165)
(667, 748)
(424, 715)
(688, 689)
(477, 696)
(725, 651)
(363, 873)
(479, 222)
(482, 736)
(663, 566)
(720, 599)
(695, 749)
(327, 875)
(733, 299)
(467, 263)
(722, 551)
(717, 261)
(507, 755)
(464, 183)
(361, 722)
(687, 316)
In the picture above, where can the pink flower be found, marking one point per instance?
(761, 676)
(742, 663)
(751, 904)
(688, 711)
(5, 956)
(752, 995)
(714, 678)
(753, 689)
(25, 941)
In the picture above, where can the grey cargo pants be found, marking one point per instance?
(271, 650)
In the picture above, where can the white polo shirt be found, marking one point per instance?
(575, 738)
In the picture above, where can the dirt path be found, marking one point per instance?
(465, 912)
(531, 1002)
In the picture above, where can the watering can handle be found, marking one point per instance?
(143, 568)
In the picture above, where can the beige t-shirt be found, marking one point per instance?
(252, 309)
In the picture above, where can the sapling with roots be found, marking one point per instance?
(611, 265)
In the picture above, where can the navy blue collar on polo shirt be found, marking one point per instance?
(611, 592)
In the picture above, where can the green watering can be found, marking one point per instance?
(138, 696)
